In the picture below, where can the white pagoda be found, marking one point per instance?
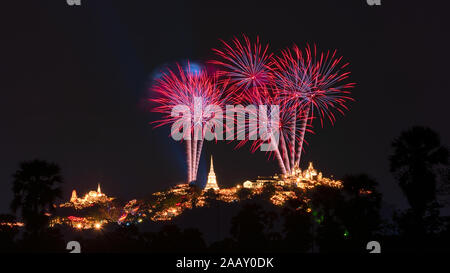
(212, 182)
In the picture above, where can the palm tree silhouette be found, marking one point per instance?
(35, 188)
(417, 153)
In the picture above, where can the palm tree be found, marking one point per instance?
(417, 153)
(35, 188)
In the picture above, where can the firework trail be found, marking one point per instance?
(287, 133)
(310, 83)
(196, 90)
(250, 69)
(304, 84)
(257, 99)
(246, 66)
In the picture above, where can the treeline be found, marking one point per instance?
(332, 220)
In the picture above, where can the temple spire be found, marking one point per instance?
(211, 170)
(212, 182)
(98, 188)
(74, 197)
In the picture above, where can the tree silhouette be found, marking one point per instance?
(361, 211)
(244, 193)
(268, 191)
(35, 188)
(417, 153)
(170, 238)
(357, 185)
(251, 227)
(297, 227)
(210, 195)
(329, 231)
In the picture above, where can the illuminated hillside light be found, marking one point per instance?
(169, 204)
(306, 179)
(89, 199)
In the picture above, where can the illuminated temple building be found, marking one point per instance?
(89, 199)
(80, 220)
(167, 204)
(306, 179)
(212, 182)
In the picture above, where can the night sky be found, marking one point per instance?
(74, 83)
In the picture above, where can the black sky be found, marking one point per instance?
(74, 80)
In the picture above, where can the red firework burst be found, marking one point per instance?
(287, 124)
(195, 90)
(313, 83)
(246, 64)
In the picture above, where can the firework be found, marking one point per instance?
(288, 130)
(310, 83)
(303, 84)
(195, 90)
(245, 64)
